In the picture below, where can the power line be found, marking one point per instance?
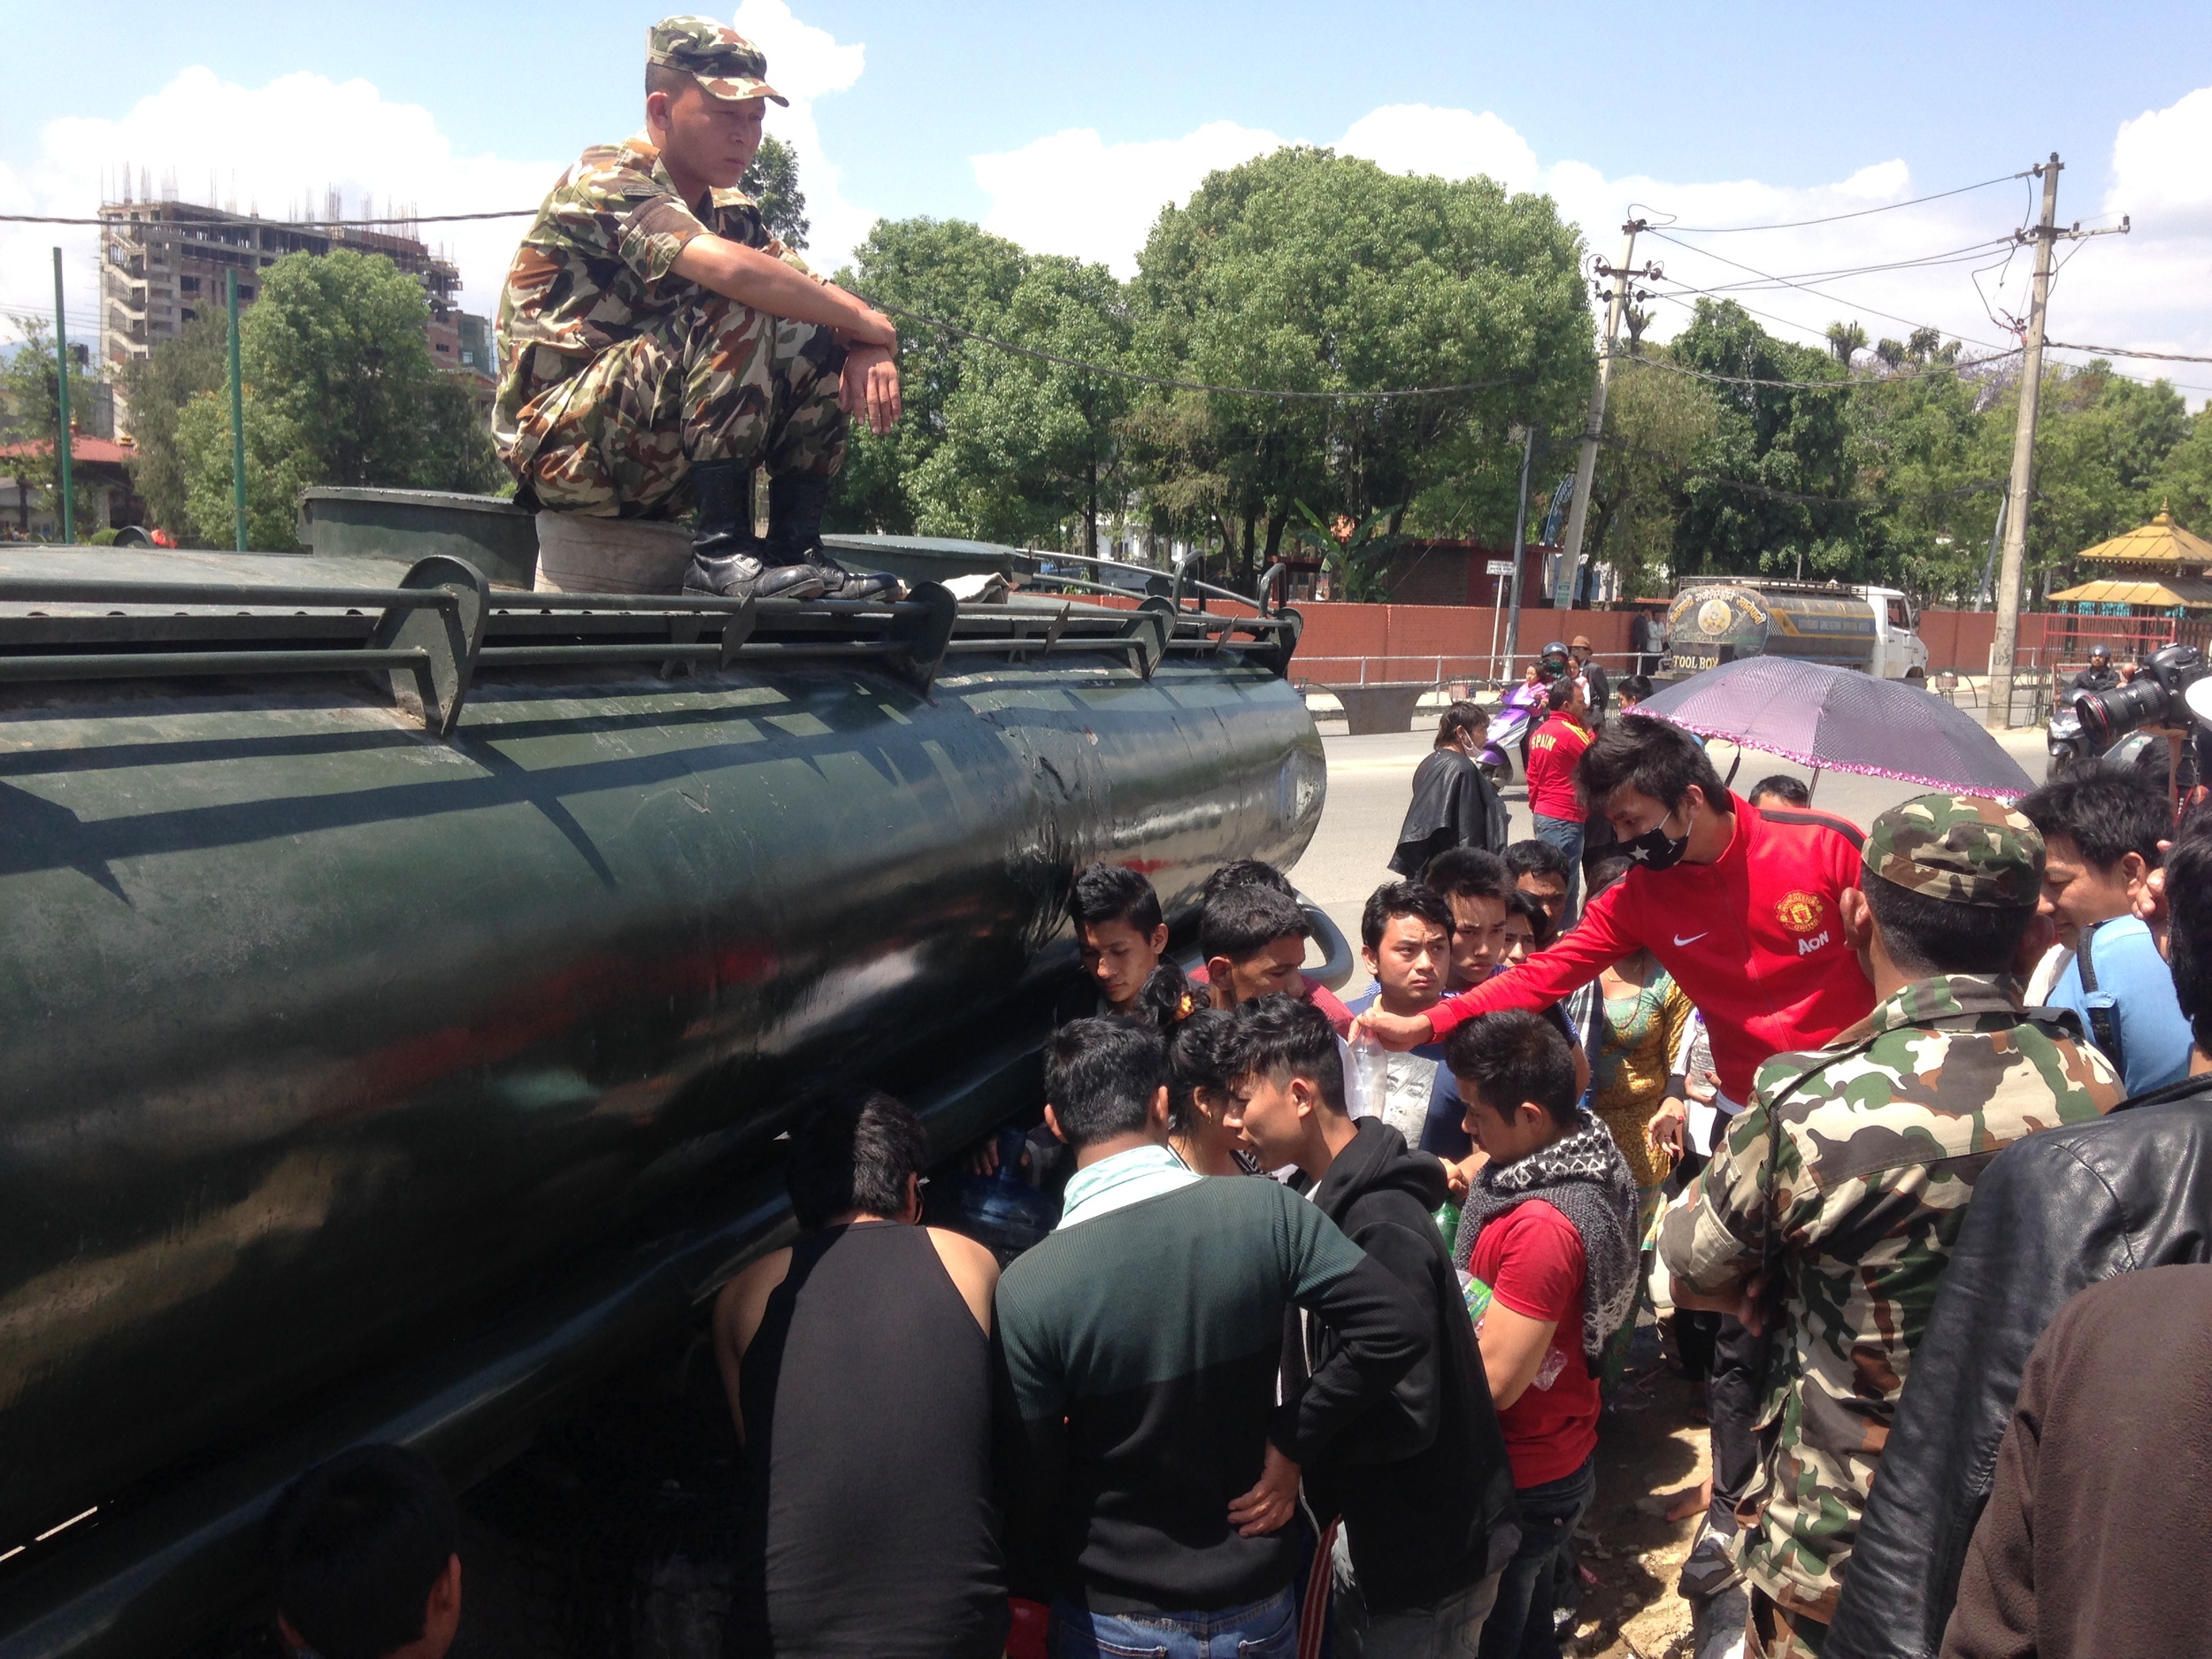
(1832, 219)
(2125, 351)
(1956, 255)
(1186, 385)
(1769, 276)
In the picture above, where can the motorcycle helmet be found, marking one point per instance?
(1553, 661)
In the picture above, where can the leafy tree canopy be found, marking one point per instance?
(340, 389)
(772, 181)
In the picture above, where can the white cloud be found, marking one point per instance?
(1417, 138)
(1072, 192)
(275, 149)
(2158, 165)
(806, 63)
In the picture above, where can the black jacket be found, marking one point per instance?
(1600, 684)
(1453, 805)
(1422, 1479)
(2051, 1215)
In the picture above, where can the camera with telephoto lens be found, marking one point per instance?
(2156, 697)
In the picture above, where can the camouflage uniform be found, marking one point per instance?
(1847, 1181)
(615, 373)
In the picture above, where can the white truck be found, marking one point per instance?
(1867, 628)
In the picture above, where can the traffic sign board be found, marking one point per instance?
(1499, 567)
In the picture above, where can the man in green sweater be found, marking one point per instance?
(1141, 1341)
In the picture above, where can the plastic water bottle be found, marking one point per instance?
(1370, 1072)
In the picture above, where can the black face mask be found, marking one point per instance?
(1655, 850)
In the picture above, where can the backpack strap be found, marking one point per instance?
(2104, 1020)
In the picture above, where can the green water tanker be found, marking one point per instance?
(403, 984)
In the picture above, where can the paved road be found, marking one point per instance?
(1370, 780)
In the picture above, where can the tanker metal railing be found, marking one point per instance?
(443, 623)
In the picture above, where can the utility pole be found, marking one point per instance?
(67, 490)
(1587, 463)
(1520, 552)
(237, 419)
(2013, 516)
(2005, 647)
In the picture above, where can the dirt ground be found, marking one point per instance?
(1649, 1450)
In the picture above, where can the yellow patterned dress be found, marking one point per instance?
(1631, 1055)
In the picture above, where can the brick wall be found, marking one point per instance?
(1405, 643)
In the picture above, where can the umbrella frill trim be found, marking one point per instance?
(1819, 764)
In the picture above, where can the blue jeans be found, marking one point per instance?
(1566, 835)
(1258, 1630)
(1520, 1626)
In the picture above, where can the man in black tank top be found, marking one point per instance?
(858, 1366)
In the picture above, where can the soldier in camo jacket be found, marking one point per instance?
(656, 344)
(1833, 1203)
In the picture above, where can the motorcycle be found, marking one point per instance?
(1510, 730)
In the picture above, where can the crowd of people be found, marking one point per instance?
(1904, 1127)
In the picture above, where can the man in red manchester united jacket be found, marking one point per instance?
(1737, 904)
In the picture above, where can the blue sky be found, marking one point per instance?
(1065, 126)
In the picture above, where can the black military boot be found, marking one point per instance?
(795, 531)
(725, 556)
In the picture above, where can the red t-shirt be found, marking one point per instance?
(1754, 939)
(1552, 753)
(1532, 1259)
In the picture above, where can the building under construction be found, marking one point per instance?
(164, 262)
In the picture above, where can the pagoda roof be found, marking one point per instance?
(2161, 541)
(2168, 592)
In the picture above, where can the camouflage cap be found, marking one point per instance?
(1962, 849)
(725, 64)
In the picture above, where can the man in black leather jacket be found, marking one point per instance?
(2051, 1216)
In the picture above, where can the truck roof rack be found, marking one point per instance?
(65, 616)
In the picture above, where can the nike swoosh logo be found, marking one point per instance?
(1692, 939)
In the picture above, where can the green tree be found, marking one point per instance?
(2100, 445)
(340, 389)
(1772, 444)
(30, 411)
(1927, 488)
(278, 467)
(157, 388)
(2183, 484)
(1310, 270)
(946, 269)
(772, 181)
(1656, 424)
(1031, 444)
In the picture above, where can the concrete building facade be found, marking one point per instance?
(165, 264)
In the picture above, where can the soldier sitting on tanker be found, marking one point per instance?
(656, 343)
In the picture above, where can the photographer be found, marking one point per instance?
(2101, 830)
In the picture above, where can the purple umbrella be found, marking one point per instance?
(1840, 719)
